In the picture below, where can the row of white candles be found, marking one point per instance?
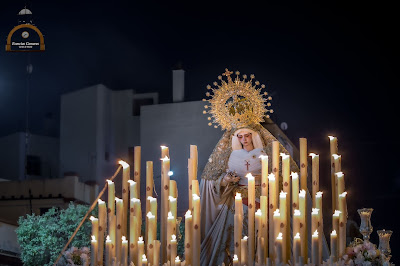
(271, 221)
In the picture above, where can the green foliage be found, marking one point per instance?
(42, 238)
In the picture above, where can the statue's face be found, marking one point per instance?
(245, 139)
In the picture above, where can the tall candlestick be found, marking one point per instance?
(196, 230)
(318, 205)
(173, 250)
(276, 221)
(333, 150)
(251, 216)
(188, 237)
(315, 174)
(124, 253)
(132, 189)
(164, 151)
(340, 182)
(137, 167)
(275, 165)
(279, 248)
(164, 205)
(133, 238)
(140, 254)
(153, 208)
(284, 226)
(93, 251)
(314, 219)
(108, 251)
(303, 163)
(260, 250)
(111, 215)
(171, 230)
(273, 204)
(177, 261)
(151, 235)
(264, 175)
(264, 222)
(194, 157)
(102, 226)
(238, 204)
(149, 192)
(156, 258)
(125, 195)
(118, 235)
(144, 261)
(296, 222)
(295, 190)
(315, 248)
(337, 168)
(172, 205)
(303, 225)
(236, 261)
(244, 251)
(195, 187)
(342, 223)
(238, 226)
(334, 246)
(296, 247)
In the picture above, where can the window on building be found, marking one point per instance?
(137, 103)
(33, 165)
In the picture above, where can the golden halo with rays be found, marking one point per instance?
(236, 103)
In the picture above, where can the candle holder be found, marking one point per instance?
(384, 247)
(365, 226)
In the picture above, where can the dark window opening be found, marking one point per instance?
(33, 165)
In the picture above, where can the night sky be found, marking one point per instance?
(329, 66)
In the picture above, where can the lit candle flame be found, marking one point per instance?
(245, 237)
(170, 173)
(297, 236)
(339, 174)
(282, 195)
(276, 213)
(319, 194)
(295, 175)
(140, 239)
(108, 239)
(109, 182)
(336, 156)
(150, 215)
(124, 164)
(250, 176)
(302, 193)
(99, 201)
(284, 156)
(314, 211)
(173, 237)
(134, 200)
(331, 137)
(271, 177)
(313, 155)
(124, 239)
(333, 233)
(131, 182)
(92, 218)
(170, 215)
(151, 199)
(165, 158)
(337, 213)
(188, 214)
(144, 258)
(279, 236)
(235, 257)
(93, 238)
(263, 157)
(315, 234)
(177, 259)
(258, 212)
(118, 199)
(195, 197)
(170, 198)
(343, 195)
(297, 213)
(238, 196)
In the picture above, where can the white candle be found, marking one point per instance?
(172, 205)
(315, 248)
(303, 163)
(165, 168)
(342, 223)
(283, 209)
(173, 249)
(251, 217)
(137, 167)
(177, 261)
(133, 238)
(188, 237)
(340, 182)
(303, 225)
(108, 251)
(125, 195)
(334, 248)
(238, 229)
(273, 204)
(238, 204)
(318, 205)
(315, 175)
(102, 226)
(264, 175)
(149, 185)
(143, 261)
(277, 222)
(295, 190)
(279, 248)
(156, 259)
(140, 253)
(244, 250)
(333, 150)
(335, 220)
(93, 252)
(132, 189)
(264, 222)
(124, 256)
(314, 219)
(336, 168)
(170, 231)
(151, 235)
(118, 235)
(236, 260)
(296, 247)
(196, 230)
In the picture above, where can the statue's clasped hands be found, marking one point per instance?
(230, 177)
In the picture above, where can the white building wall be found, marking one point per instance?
(176, 125)
(12, 160)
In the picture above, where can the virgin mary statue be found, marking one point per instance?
(238, 107)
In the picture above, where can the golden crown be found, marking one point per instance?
(236, 103)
